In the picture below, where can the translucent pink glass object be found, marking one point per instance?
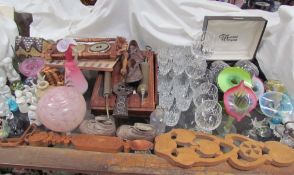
(239, 101)
(73, 75)
(30, 67)
(61, 109)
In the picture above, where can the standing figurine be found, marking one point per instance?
(12, 75)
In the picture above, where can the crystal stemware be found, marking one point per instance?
(165, 83)
(157, 120)
(180, 84)
(179, 60)
(248, 66)
(196, 82)
(195, 68)
(184, 99)
(206, 88)
(208, 115)
(172, 115)
(166, 99)
(216, 67)
(203, 44)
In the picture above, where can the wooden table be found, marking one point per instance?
(107, 163)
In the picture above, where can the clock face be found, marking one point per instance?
(100, 47)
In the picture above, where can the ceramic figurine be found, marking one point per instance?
(4, 89)
(4, 128)
(32, 114)
(21, 101)
(42, 86)
(12, 75)
(4, 108)
(13, 107)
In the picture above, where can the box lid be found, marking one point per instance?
(237, 38)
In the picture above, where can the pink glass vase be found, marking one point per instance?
(73, 75)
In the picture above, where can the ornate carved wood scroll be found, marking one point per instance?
(87, 142)
(186, 149)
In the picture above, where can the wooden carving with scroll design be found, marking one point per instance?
(188, 148)
(99, 54)
(134, 100)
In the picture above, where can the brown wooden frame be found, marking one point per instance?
(112, 163)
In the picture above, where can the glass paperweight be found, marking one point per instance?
(248, 66)
(172, 115)
(275, 105)
(216, 67)
(239, 101)
(208, 115)
(157, 120)
(203, 44)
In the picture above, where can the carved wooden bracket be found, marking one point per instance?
(186, 149)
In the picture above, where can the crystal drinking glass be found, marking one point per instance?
(248, 66)
(208, 115)
(195, 68)
(165, 83)
(203, 44)
(184, 99)
(164, 68)
(216, 67)
(172, 115)
(206, 88)
(180, 84)
(196, 82)
(179, 59)
(166, 99)
(157, 120)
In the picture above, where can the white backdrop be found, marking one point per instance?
(159, 23)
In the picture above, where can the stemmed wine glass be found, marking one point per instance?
(203, 44)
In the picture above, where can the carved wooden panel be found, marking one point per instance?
(186, 149)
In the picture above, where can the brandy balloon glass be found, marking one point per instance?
(206, 88)
(208, 115)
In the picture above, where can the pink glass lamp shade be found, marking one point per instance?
(239, 101)
(61, 109)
